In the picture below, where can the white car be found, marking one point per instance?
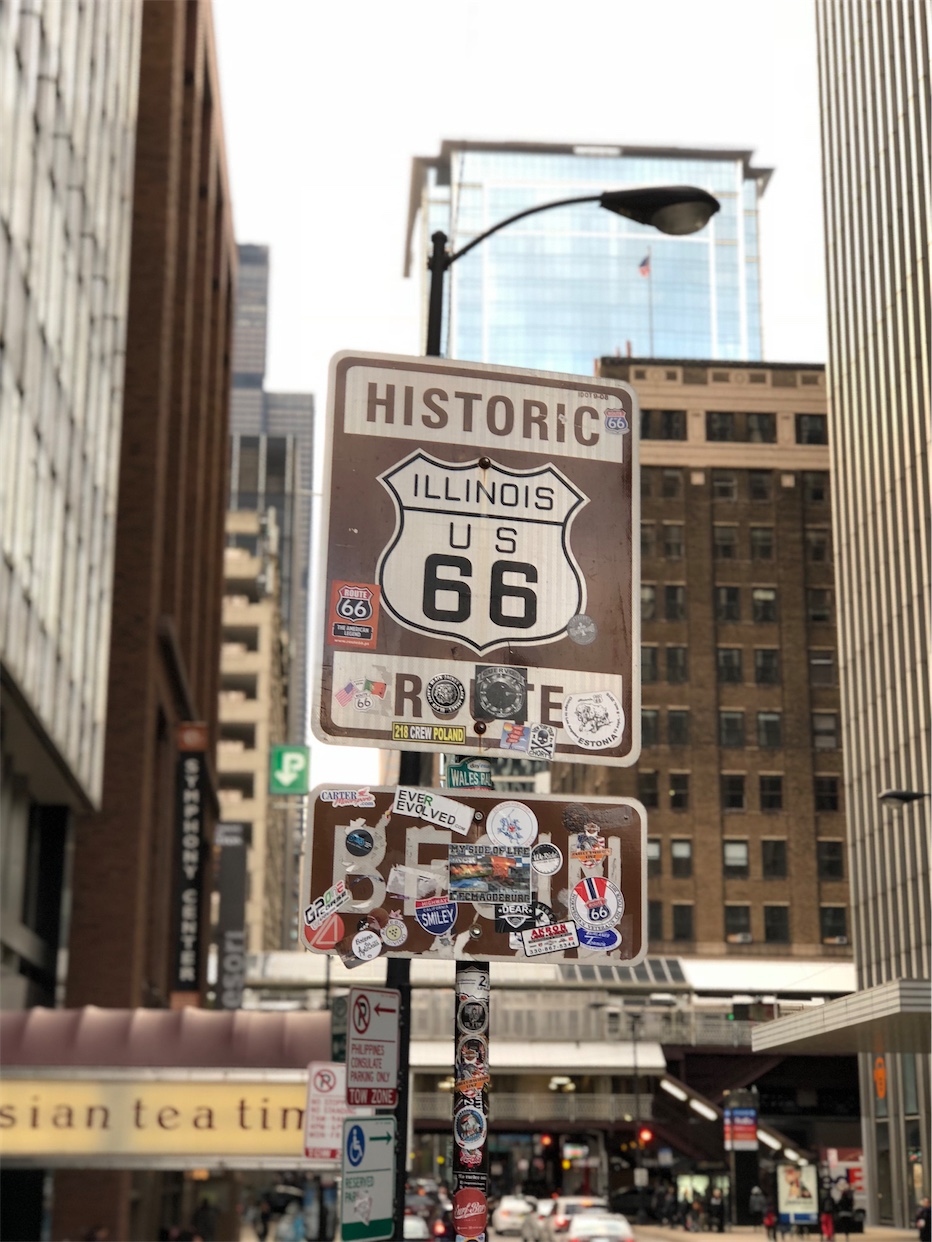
(596, 1227)
(532, 1228)
(415, 1229)
(509, 1216)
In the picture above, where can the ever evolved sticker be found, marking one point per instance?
(594, 721)
(597, 902)
(552, 938)
(433, 809)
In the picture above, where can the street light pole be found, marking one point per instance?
(676, 210)
(635, 1016)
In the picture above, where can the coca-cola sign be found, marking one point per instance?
(470, 1212)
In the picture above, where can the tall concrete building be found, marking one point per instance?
(117, 269)
(875, 98)
(557, 290)
(272, 464)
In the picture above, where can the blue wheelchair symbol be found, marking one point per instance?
(355, 1146)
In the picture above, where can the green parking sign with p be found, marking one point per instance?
(289, 770)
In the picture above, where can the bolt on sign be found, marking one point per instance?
(401, 872)
(480, 572)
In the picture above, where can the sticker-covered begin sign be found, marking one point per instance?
(480, 572)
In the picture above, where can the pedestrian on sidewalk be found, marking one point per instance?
(770, 1223)
(827, 1215)
(924, 1221)
(844, 1211)
(717, 1212)
(757, 1205)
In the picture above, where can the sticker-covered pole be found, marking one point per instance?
(471, 1100)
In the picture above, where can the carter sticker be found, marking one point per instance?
(597, 902)
(594, 721)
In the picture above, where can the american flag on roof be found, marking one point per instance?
(644, 266)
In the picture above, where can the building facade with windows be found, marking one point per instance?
(876, 98)
(556, 290)
(741, 762)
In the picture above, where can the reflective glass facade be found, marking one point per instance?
(560, 288)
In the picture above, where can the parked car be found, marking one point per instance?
(599, 1227)
(415, 1229)
(509, 1216)
(532, 1227)
(565, 1208)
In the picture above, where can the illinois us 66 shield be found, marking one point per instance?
(480, 573)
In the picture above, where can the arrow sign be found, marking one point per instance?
(289, 768)
(368, 1179)
(372, 1047)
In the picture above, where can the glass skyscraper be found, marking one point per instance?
(566, 286)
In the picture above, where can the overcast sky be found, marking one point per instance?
(325, 104)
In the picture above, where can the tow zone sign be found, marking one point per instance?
(372, 1047)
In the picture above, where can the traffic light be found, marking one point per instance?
(546, 1140)
(645, 1136)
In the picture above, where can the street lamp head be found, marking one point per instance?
(676, 209)
(902, 796)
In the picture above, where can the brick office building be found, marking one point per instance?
(740, 765)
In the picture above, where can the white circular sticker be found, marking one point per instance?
(511, 823)
(597, 902)
(395, 931)
(366, 945)
(594, 721)
(547, 858)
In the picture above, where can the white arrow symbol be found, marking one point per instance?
(292, 767)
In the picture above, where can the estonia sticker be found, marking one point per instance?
(594, 721)
(606, 938)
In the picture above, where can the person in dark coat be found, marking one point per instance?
(844, 1211)
(717, 1212)
(924, 1221)
(827, 1215)
(757, 1205)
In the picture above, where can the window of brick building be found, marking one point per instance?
(663, 424)
(760, 484)
(728, 664)
(725, 543)
(764, 604)
(650, 726)
(727, 603)
(769, 730)
(655, 920)
(733, 798)
(647, 481)
(679, 791)
(818, 546)
(649, 665)
(762, 428)
(673, 540)
(682, 922)
(821, 666)
(720, 426)
(648, 601)
(830, 857)
(819, 604)
(815, 486)
(737, 922)
(825, 730)
(735, 860)
(766, 666)
(773, 859)
(654, 858)
(762, 543)
(648, 539)
(681, 855)
(674, 603)
(678, 726)
(833, 924)
(811, 429)
(771, 793)
(827, 797)
(724, 485)
(777, 924)
(731, 728)
(648, 789)
(671, 484)
(677, 666)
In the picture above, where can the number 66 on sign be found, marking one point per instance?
(480, 572)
